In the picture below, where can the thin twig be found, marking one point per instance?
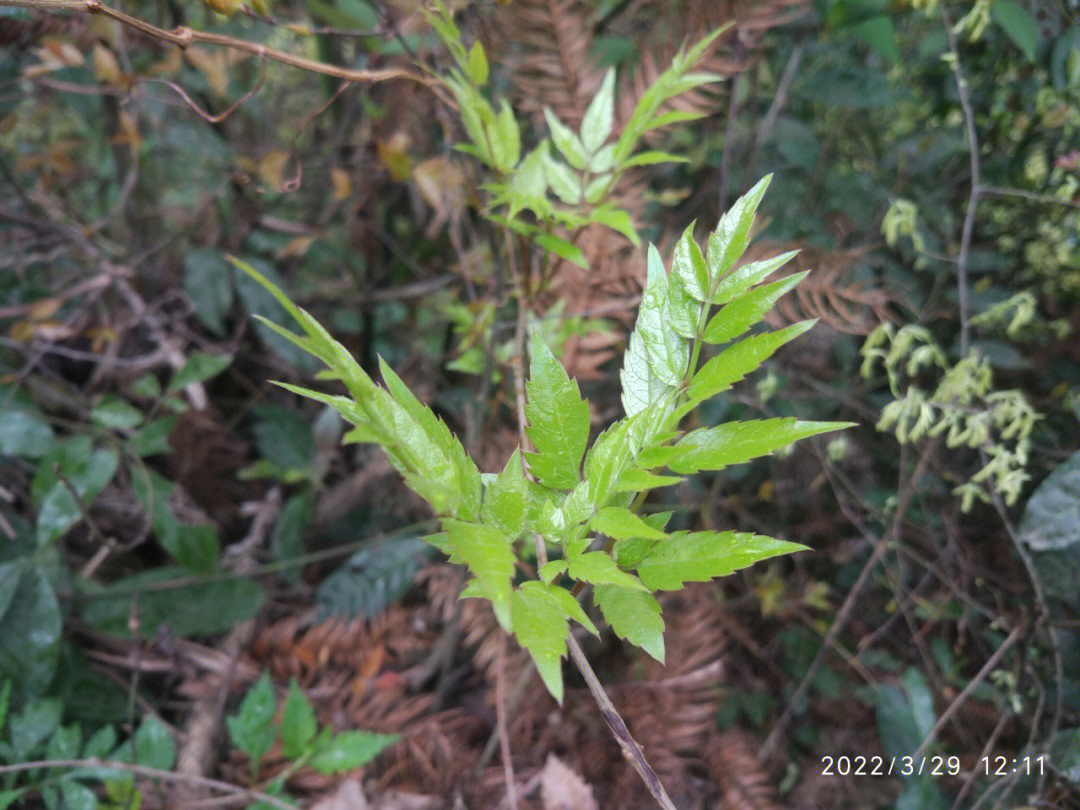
(500, 721)
(150, 773)
(848, 608)
(976, 183)
(980, 676)
(184, 37)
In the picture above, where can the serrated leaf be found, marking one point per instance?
(508, 148)
(506, 499)
(250, 728)
(558, 420)
(689, 265)
(683, 309)
(603, 160)
(617, 219)
(540, 624)
(600, 115)
(564, 181)
(374, 577)
(634, 616)
(702, 556)
(565, 140)
(656, 357)
(732, 234)
(735, 362)
(736, 318)
(737, 442)
(615, 451)
(739, 281)
(298, 724)
(598, 568)
(351, 749)
(489, 554)
(637, 480)
(622, 524)
(439, 457)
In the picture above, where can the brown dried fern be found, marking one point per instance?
(732, 765)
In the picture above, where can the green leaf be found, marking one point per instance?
(152, 439)
(622, 524)
(1018, 23)
(259, 290)
(747, 310)
(702, 556)
(101, 743)
(197, 547)
(558, 420)
(904, 721)
(564, 181)
(656, 357)
(603, 161)
(208, 283)
(30, 641)
(298, 724)
(737, 442)
(115, 413)
(154, 745)
(477, 64)
(616, 450)
(65, 743)
(350, 750)
(651, 158)
(87, 472)
(1050, 528)
(283, 436)
(32, 726)
(879, 33)
(191, 610)
(5, 688)
(9, 797)
(24, 434)
(728, 242)
(77, 796)
(562, 249)
(618, 220)
(598, 568)
(199, 368)
(735, 362)
(442, 473)
(634, 616)
(373, 578)
(540, 624)
(565, 140)
(689, 265)
(600, 115)
(251, 728)
(287, 536)
(506, 499)
(489, 554)
(684, 310)
(508, 147)
(739, 281)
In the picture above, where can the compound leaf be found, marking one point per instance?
(506, 499)
(732, 234)
(701, 556)
(745, 311)
(634, 616)
(736, 442)
(558, 420)
(598, 568)
(490, 556)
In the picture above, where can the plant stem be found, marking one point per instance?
(151, 773)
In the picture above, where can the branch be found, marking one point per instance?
(151, 773)
(184, 37)
(976, 181)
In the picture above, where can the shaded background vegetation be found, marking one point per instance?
(172, 525)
